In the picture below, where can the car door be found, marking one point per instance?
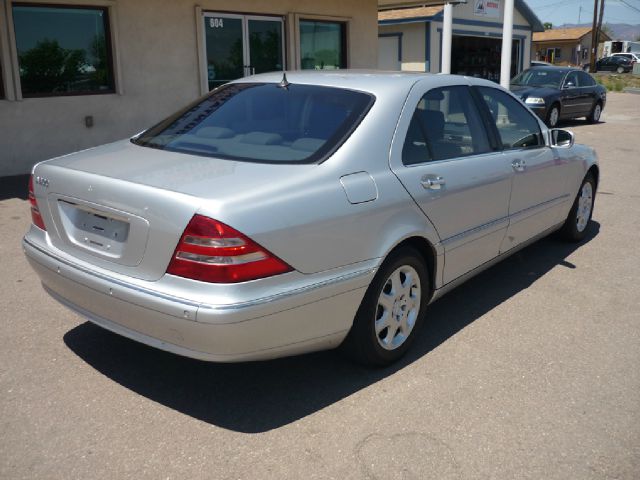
(538, 189)
(443, 156)
(571, 95)
(581, 93)
(590, 97)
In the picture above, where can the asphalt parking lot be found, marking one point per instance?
(530, 371)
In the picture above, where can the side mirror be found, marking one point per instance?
(568, 85)
(562, 138)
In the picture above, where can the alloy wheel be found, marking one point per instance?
(585, 204)
(398, 307)
(553, 117)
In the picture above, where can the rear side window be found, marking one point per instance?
(516, 126)
(445, 124)
(586, 80)
(263, 122)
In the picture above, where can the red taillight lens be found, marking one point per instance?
(36, 218)
(211, 251)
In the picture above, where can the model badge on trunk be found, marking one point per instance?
(42, 181)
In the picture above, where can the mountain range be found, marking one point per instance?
(620, 31)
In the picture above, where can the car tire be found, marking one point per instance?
(620, 70)
(391, 311)
(576, 226)
(594, 116)
(553, 116)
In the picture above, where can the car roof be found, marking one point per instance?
(558, 69)
(371, 81)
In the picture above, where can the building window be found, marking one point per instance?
(553, 54)
(322, 45)
(63, 50)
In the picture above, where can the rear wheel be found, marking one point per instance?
(391, 311)
(553, 116)
(576, 225)
(594, 116)
(620, 70)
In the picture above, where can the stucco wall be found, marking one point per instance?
(158, 71)
(413, 44)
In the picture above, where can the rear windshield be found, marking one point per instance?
(263, 122)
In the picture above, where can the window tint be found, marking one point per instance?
(586, 80)
(63, 50)
(445, 124)
(263, 122)
(1, 83)
(322, 45)
(516, 126)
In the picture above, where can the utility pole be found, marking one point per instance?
(599, 27)
(592, 56)
(579, 13)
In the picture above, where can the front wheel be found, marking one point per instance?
(594, 116)
(553, 116)
(576, 225)
(391, 310)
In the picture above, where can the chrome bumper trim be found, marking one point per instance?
(210, 307)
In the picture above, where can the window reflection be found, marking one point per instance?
(322, 45)
(62, 50)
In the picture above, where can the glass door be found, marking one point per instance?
(265, 44)
(239, 45)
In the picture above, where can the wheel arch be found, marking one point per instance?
(595, 171)
(426, 250)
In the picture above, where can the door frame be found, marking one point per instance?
(201, 15)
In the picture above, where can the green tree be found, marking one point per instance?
(100, 77)
(48, 67)
(547, 25)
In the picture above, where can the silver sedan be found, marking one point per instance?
(283, 214)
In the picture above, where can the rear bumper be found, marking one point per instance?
(312, 317)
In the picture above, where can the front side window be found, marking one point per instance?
(63, 50)
(322, 45)
(572, 80)
(445, 124)
(263, 122)
(516, 126)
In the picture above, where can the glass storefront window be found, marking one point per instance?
(322, 45)
(63, 50)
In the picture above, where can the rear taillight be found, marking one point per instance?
(36, 218)
(211, 251)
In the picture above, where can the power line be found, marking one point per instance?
(630, 6)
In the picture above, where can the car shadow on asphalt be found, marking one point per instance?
(16, 186)
(574, 122)
(260, 396)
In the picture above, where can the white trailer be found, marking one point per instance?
(619, 46)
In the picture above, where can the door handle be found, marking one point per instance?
(519, 165)
(432, 182)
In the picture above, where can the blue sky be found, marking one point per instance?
(567, 11)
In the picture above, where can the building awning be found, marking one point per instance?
(434, 13)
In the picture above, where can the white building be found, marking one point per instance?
(411, 38)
